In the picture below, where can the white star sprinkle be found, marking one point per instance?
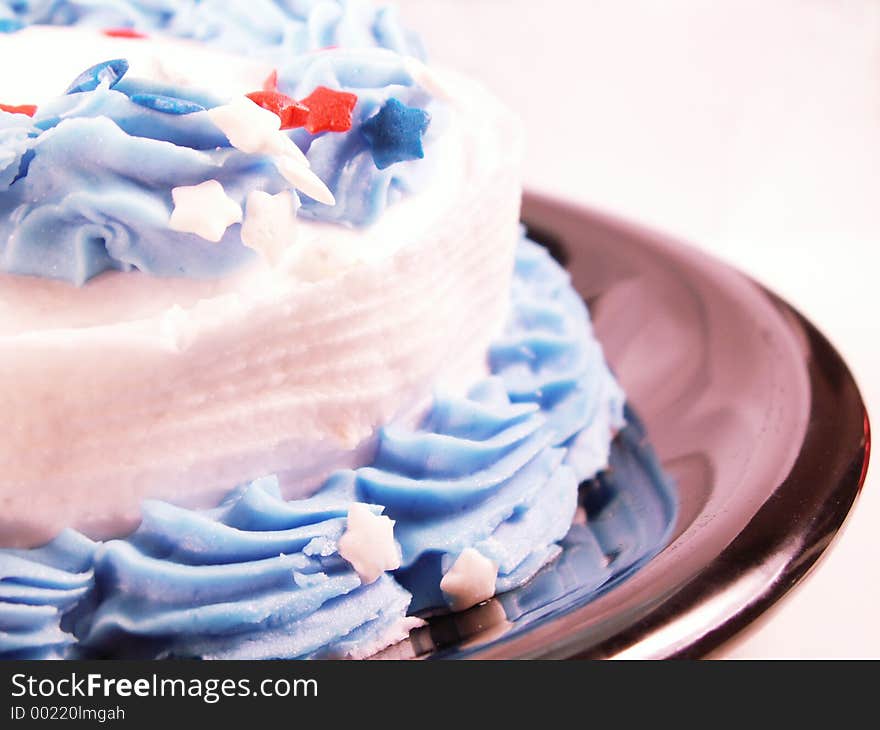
(269, 224)
(255, 130)
(302, 178)
(470, 580)
(368, 543)
(204, 209)
(281, 145)
(248, 126)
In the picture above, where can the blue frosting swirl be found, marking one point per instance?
(343, 160)
(480, 473)
(549, 356)
(39, 592)
(497, 471)
(273, 28)
(85, 187)
(257, 578)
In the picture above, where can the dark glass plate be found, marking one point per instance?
(753, 416)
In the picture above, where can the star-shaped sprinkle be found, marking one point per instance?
(271, 82)
(109, 72)
(368, 543)
(280, 145)
(395, 133)
(274, 101)
(269, 224)
(253, 129)
(166, 104)
(248, 126)
(28, 109)
(291, 112)
(294, 115)
(302, 178)
(123, 33)
(204, 209)
(329, 110)
(470, 580)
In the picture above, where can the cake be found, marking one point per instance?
(282, 373)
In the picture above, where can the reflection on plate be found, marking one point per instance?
(753, 416)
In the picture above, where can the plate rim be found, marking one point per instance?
(800, 547)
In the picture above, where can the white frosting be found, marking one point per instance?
(470, 580)
(68, 51)
(368, 543)
(135, 386)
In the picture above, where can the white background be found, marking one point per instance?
(750, 128)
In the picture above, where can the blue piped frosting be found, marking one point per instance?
(272, 28)
(346, 161)
(85, 187)
(549, 356)
(257, 578)
(480, 473)
(39, 592)
(496, 471)
(72, 207)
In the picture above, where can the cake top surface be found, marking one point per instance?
(172, 158)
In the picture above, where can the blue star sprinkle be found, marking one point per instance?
(395, 133)
(108, 71)
(166, 104)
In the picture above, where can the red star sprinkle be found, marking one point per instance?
(274, 101)
(271, 82)
(292, 113)
(28, 109)
(329, 110)
(123, 33)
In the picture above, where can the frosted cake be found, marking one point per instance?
(281, 372)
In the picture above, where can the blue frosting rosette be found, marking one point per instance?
(549, 356)
(41, 591)
(256, 578)
(272, 28)
(481, 473)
